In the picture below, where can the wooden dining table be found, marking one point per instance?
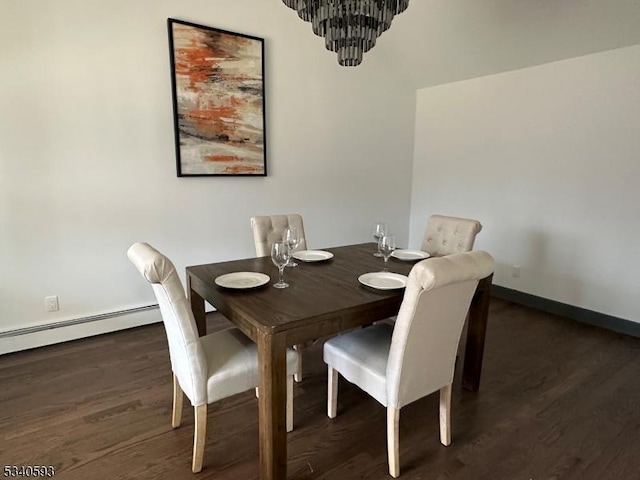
(323, 298)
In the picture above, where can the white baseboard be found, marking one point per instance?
(80, 328)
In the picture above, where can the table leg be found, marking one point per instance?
(476, 332)
(197, 307)
(272, 407)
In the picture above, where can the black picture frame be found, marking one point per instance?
(217, 80)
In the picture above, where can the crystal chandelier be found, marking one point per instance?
(349, 27)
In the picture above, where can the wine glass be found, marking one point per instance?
(292, 238)
(387, 246)
(280, 256)
(379, 230)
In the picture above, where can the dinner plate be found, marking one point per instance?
(242, 280)
(312, 255)
(383, 280)
(409, 255)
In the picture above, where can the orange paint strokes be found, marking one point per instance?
(222, 158)
(199, 56)
(213, 113)
(244, 169)
(196, 63)
(238, 102)
(212, 128)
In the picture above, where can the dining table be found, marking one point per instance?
(323, 299)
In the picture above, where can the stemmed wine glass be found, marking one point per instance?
(291, 237)
(387, 246)
(280, 256)
(378, 232)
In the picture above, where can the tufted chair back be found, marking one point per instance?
(427, 331)
(268, 229)
(447, 235)
(188, 360)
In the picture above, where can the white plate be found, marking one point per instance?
(383, 280)
(410, 255)
(242, 280)
(312, 255)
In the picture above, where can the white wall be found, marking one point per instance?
(547, 159)
(451, 40)
(87, 163)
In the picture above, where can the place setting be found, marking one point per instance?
(407, 255)
(384, 280)
(281, 258)
(312, 256)
(242, 280)
(292, 237)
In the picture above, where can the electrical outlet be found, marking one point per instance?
(51, 303)
(515, 271)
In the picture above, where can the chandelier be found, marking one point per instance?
(349, 27)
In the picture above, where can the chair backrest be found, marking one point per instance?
(446, 235)
(268, 229)
(188, 360)
(429, 324)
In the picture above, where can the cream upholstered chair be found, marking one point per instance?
(446, 235)
(397, 366)
(268, 229)
(207, 368)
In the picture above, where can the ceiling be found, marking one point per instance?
(440, 41)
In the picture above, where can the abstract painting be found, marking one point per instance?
(218, 101)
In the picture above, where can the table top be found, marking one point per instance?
(322, 297)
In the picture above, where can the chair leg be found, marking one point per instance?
(289, 403)
(393, 442)
(178, 397)
(257, 392)
(199, 437)
(332, 392)
(298, 375)
(445, 415)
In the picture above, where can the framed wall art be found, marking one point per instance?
(218, 101)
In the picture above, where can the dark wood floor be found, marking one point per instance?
(558, 400)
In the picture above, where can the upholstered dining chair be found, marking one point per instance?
(208, 368)
(268, 229)
(445, 235)
(398, 365)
